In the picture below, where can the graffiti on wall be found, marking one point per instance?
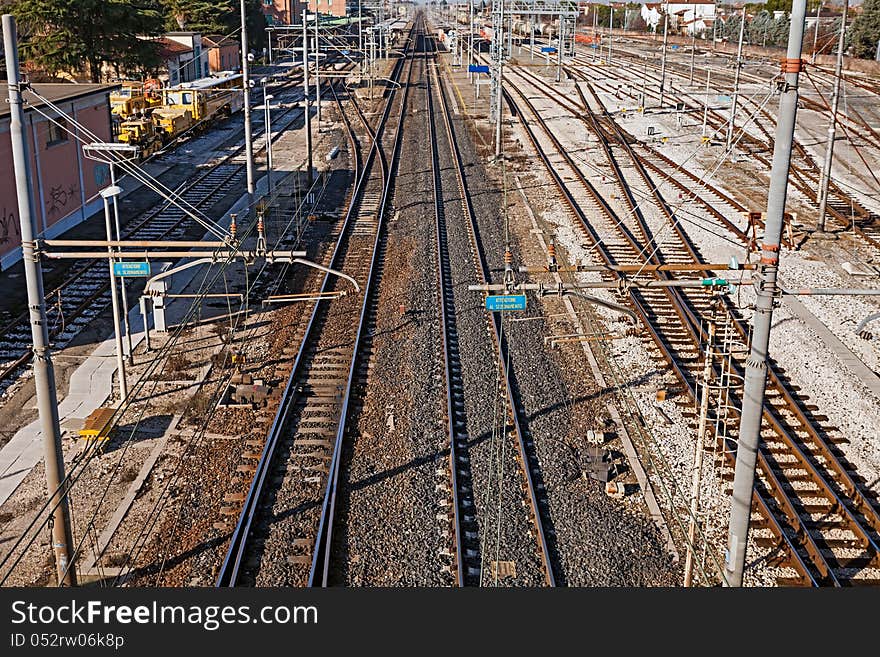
(10, 231)
(59, 197)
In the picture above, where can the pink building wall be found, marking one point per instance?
(65, 183)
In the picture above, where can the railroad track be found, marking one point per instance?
(812, 507)
(285, 525)
(842, 209)
(686, 183)
(85, 293)
(470, 547)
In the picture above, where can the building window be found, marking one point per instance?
(57, 132)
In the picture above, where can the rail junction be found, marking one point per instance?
(365, 415)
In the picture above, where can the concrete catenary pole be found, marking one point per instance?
(739, 51)
(129, 349)
(610, 32)
(44, 374)
(248, 140)
(595, 32)
(697, 474)
(308, 118)
(317, 75)
(499, 108)
(693, 44)
(106, 194)
(832, 125)
(767, 292)
(815, 34)
(561, 36)
(663, 58)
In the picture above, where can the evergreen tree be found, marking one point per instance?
(779, 29)
(67, 35)
(864, 31)
(205, 16)
(217, 17)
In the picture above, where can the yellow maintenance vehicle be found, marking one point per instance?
(135, 97)
(192, 104)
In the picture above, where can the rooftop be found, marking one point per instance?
(215, 40)
(169, 47)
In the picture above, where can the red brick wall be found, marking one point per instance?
(332, 7)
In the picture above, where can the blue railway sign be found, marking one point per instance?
(134, 268)
(548, 49)
(503, 302)
(478, 68)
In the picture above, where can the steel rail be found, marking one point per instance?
(319, 573)
(796, 561)
(483, 272)
(444, 280)
(130, 232)
(791, 403)
(230, 568)
(771, 415)
(804, 172)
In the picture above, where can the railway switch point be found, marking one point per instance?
(622, 203)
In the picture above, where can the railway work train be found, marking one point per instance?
(135, 97)
(187, 106)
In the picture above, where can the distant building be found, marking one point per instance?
(282, 12)
(65, 183)
(331, 7)
(224, 53)
(684, 17)
(827, 20)
(183, 56)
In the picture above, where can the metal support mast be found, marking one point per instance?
(470, 38)
(129, 349)
(663, 58)
(44, 374)
(497, 71)
(693, 45)
(559, 47)
(739, 51)
(610, 32)
(307, 114)
(767, 291)
(696, 480)
(832, 124)
(317, 75)
(248, 143)
(106, 195)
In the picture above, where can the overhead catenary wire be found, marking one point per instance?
(92, 451)
(90, 454)
(172, 196)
